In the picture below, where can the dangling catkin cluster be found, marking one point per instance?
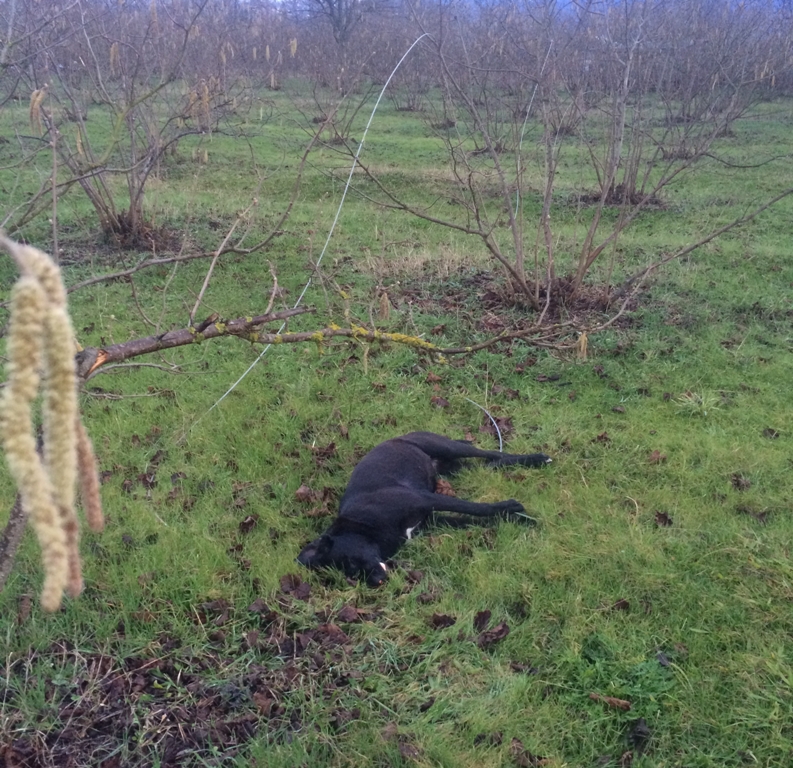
(40, 338)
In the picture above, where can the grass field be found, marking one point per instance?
(646, 620)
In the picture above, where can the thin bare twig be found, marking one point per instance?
(274, 291)
(240, 216)
(644, 272)
(127, 366)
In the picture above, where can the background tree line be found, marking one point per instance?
(646, 85)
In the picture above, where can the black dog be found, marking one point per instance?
(391, 492)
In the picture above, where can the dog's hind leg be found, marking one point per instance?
(445, 521)
(450, 452)
(437, 502)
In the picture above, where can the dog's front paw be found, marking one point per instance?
(539, 460)
(517, 511)
(511, 507)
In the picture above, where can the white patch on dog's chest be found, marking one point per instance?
(409, 532)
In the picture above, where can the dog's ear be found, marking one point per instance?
(313, 555)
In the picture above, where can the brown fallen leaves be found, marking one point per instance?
(492, 636)
(503, 424)
(523, 758)
(444, 487)
(320, 500)
(611, 701)
(442, 620)
(292, 584)
(662, 519)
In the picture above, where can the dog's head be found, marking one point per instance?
(353, 554)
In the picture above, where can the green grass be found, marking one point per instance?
(690, 622)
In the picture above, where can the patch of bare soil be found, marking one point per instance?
(112, 251)
(130, 235)
(179, 705)
(492, 306)
(619, 195)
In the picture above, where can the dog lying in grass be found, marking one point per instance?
(392, 491)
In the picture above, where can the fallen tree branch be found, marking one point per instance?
(92, 358)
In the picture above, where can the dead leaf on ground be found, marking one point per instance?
(504, 424)
(523, 758)
(493, 636)
(342, 717)
(444, 487)
(409, 751)
(442, 620)
(527, 363)
(389, 731)
(770, 433)
(221, 609)
(439, 402)
(248, 523)
(322, 454)
(749, 510)
(639, 734)
(302, 592)
(603, 437)
(146, 578)
(264, 703)
(348, 614)
(289, 582)
(427, 597)
(656, 457)
(662, 519)
(520, 667)
(24, 606)
(611, 701)
(259, 608)
(740, 482)
(481, 620)
(305, 494)
(509, 394)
